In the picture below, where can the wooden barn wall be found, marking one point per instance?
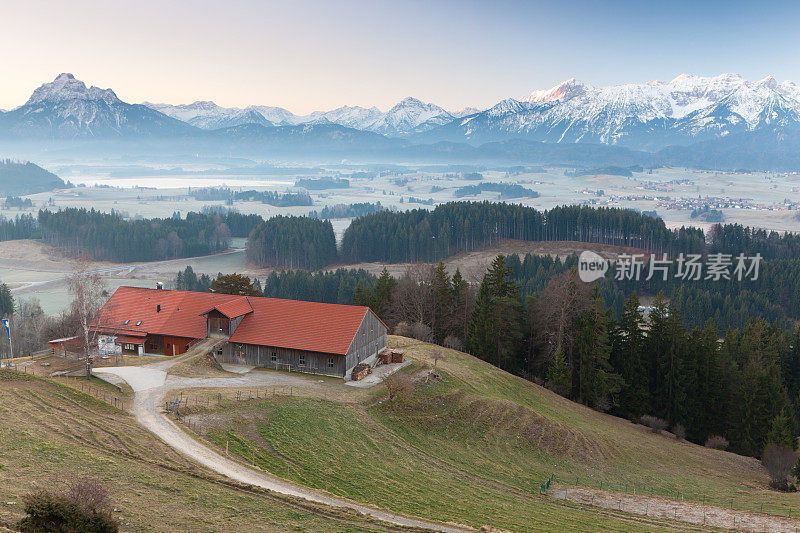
(369, 340)
(235, 322)
(261, 356)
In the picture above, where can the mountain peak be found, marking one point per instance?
(769, 82)
(67, 87)
(563, 91)
(681, 78)
(410, 101)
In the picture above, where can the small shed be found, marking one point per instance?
(66, 346)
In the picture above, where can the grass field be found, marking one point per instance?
(51, 433)
(474, 449)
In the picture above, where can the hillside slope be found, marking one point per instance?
(473, 449)
(52, 433)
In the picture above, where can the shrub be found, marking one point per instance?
(403, 329)
(84, 506)
(679, 431)
(422, 332)
(656, 425)
(399, 386)
(778, 460)
(718, 442)
(453, 342)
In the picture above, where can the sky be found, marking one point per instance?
(306, 56)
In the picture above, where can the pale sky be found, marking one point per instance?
(305, 55)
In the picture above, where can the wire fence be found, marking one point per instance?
(183, 400)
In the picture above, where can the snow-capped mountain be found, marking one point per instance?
(209, 116)
(461, 113)
(66, 108)
(407, 117)
(411, 116)
(646, 116)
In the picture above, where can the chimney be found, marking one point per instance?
(159, 285)
(158, 308)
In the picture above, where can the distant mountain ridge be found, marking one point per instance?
(647, 116)
(691, 120)
(66, 108)
(407, 117)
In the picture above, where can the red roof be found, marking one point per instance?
(311, 326)
(234, 308)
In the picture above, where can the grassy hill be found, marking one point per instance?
(473, 449)
(51, 433)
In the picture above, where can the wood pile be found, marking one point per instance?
(398, 356)
(360, 371)
(385, 356)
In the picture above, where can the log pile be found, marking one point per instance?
(385, 356)
(360, 371)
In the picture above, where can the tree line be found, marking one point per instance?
(743, 386)
(109, 237)
(422, 235)
(336, 287)
(292, 242)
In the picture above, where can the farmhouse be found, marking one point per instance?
(310, 337)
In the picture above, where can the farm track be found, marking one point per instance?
(146, 408)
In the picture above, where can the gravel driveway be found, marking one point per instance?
(150, 383)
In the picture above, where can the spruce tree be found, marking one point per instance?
(627, 360)
(781, 431)
(595, 381)
(559, 375)
(6, 301)
(480, 334)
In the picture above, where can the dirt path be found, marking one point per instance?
(150, 385)
(694, 513)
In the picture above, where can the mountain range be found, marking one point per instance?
(407, 117)
(689, 119)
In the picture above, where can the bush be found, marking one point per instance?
(453, 342)
(403, 329)
(656, 425)
(399, 386)
(84, 506)
(422, 332)
(778, 460)
(718, 442)
(679, 431)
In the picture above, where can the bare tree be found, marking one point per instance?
(86, 287)
(412, 301)
(563, 300)
(778, 460)
(399, 386)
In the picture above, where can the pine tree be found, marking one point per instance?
(460, 308)
(781, 432)
(559, 376)
(6, 301)
(442, 304)
(382, 295)
(627, 359)
(480, 334)
(595, 381)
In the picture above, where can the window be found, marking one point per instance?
(302, 359)
(125, 323)
(129, 347)
(139, 323)
(274, 356)
(330, 362)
